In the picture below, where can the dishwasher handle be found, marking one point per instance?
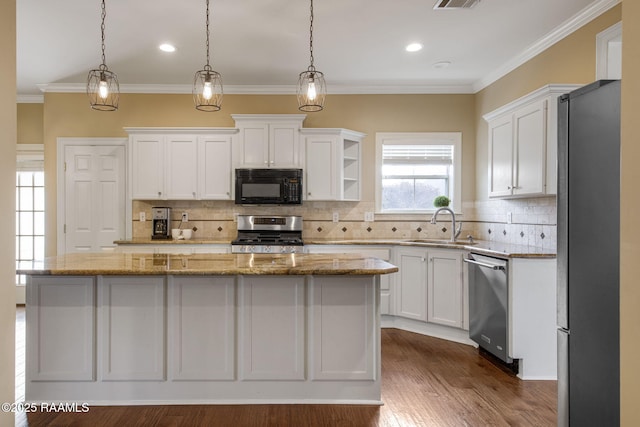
(484, 264)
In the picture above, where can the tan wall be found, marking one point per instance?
(629, 215)
(69, 115)
(571, 60)
(30, 123)
(7, 208)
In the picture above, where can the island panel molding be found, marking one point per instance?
(131, 331)
(272, 337)
(202, 323)
(60, 329)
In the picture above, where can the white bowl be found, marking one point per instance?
(187, 233)
(175, 233)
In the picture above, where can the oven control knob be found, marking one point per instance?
(284, 249)
(252, 249)
(266, 249)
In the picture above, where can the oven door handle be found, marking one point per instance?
(484, 264)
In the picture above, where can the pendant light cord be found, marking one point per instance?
(311, 67)
(104, 15)
(207, 67)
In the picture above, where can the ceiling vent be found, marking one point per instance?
(455, 4)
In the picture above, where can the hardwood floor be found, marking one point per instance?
(425, 382)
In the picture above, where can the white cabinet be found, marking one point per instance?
(429, 286)
(375, 251)
(268, 140)
(147, 166)
(214, 167)
(444, 288)
(181, 179)
(164, 166)
(332, 164)
(522, 145)
(411, 283)
(181, 164)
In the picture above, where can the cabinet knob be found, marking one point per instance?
(194, 194)
(266, 162)
(308, 194)
(509, 188)
(159, 193)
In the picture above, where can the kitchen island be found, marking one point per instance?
(122, 328)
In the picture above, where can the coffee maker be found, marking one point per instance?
(161, 226)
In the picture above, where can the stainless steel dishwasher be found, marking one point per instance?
(489, 304)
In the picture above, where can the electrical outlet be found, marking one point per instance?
(185, 217)
(368, 217)
(336, 217)
(143, 216)
(509, 218)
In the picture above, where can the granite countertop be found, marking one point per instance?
(479, 246)
(115, 263)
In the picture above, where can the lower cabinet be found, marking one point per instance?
(429, 286)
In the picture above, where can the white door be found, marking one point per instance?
(94, 197)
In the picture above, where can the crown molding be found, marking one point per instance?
(569, 26)
(30, 99)
(337, 89)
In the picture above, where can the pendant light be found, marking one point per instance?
(102, 85)
(207, 84)
(312, 88)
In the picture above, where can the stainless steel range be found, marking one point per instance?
(268, 234)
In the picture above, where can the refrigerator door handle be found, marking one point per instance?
(563, 377)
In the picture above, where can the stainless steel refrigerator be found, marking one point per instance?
(588, 256)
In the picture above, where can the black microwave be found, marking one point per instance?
(268, 186)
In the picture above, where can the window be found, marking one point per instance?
(414, 168)
(29, 206)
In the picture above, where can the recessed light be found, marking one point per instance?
(166, 47)
(413, 47)
(442, 64)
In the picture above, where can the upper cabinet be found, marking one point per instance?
(180, 164)
(268, 140)
(332, 164)
(523, 144)
(199, 163)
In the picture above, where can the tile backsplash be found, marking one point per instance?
(532, 221)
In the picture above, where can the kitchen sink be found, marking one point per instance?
(441, 242)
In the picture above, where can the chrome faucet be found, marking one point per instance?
(454, 233)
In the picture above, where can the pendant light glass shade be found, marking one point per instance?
(207, 84)
(103, 89)
(207, 90)
(312, 88)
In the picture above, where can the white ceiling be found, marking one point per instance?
(260, 46)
